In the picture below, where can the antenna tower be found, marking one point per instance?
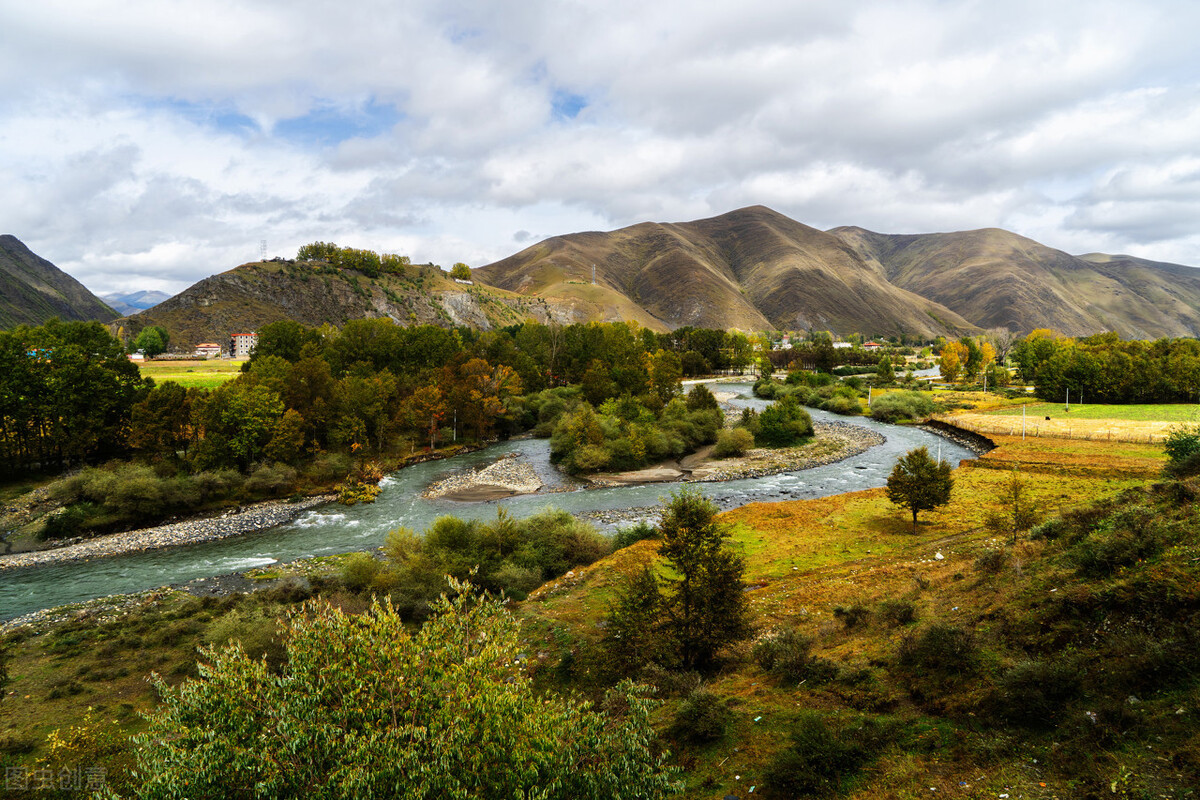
(262, 249)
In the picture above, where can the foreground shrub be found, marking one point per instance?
(895, 613)
(787, 655)
(819, 760)
(702, 717)
(441, 712)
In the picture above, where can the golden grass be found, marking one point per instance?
(1061, 427)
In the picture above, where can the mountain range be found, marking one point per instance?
(750, 269)
(134, 302)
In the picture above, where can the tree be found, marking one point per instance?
(152, 340)
(784, 423)
(919, 483)
(950, 364)
(885, 373)
(364, 708)
(706, 605)
(460, 272)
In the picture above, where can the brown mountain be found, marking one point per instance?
(245, 298)
(995, 278)
(751, 269)
(32, 290)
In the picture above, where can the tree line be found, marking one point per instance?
(1105, 369)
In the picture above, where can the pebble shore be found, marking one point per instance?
(509, 473)
(251, 518)
(833, 442)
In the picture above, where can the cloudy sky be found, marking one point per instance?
(146, 144)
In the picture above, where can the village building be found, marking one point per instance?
(208, 350)
(242, 344)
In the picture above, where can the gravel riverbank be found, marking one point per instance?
(251, 518)
(832, 442)
(504, 478)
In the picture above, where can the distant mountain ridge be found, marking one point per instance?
(32, 290)
(133, 302)
(755, 269)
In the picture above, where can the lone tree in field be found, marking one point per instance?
(919, 483)
(706, 606)
(460, 272)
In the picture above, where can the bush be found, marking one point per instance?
(895, 613)
(852, 616)
(274, 480)
(840, 404)
(359, 571)
(895, 406)
(783, 424)
(1033, 693)
(787, 656)
(732, 442)
(70, 521)
(991, 562)
(634, 533)
(940, 649)
(702, 717)
(817, 761)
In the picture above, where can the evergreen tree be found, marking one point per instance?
(919, 483)
(706, 605)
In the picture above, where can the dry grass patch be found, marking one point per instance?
(1061, 427)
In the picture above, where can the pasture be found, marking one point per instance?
(201, 374)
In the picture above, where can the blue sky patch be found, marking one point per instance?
(329, 125)
(223, 117)
(567, 105)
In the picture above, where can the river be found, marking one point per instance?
(338, 529)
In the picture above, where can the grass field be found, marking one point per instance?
(203, 374)
(1160, 412)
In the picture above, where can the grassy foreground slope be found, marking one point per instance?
(952, 662)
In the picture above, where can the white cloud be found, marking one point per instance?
(148, 145)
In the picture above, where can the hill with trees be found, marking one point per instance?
(32, 290)
(314, 291)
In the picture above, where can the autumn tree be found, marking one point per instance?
(951, 362)
(919, 483)
(460, 272)
(364, 707)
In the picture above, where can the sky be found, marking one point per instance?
(147, 144)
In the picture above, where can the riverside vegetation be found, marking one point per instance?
(1058, 660)
(978, 655)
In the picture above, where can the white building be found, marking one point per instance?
(242, 344)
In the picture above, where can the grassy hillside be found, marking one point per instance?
(995, 278)
(32, 290)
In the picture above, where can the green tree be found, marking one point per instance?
(152, 340)
(705, 605)
(784, 423)
(919, 483)
(363, 707)
(885, 373)
(460, 272)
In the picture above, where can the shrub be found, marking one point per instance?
(852, 616)
(783, 424)
(634, 533)
(895, 613)
(359, 571)
(895, 406)
(787, 656)
(70, 521)
(840, 404)
(702, 717)
(274, 479)
(940, 650)
(991, 562)
(818, 760)
(733, 442)
(1033, 693)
